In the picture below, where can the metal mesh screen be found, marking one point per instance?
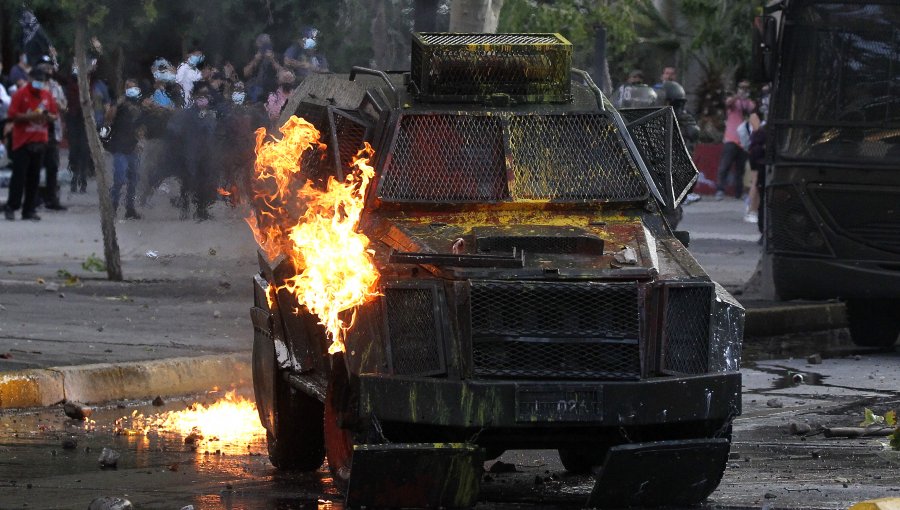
(561, 310)
(447, 158)
(412, 331)
(316, 163)
(870, 216)
(789, 226)
(650, 137)
(472, 67)
(557, 359)
(349, 134)
(686, 330)
(571, 158)
(456, 39)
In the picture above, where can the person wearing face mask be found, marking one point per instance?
(49, 194)
(126, 129)
(189, 73)
(165, 88)
(32, 112)
(262, 70)
(234, 150)
(304, 57)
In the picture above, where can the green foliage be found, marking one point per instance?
(69, 278)
(871, 419)
(888, 420)
(93, 264)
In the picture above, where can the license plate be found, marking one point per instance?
(533, 405)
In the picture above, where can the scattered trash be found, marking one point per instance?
(770, 495)
(212, 252)
(799, 428)
(217, 314)
(841, 479)
(77, 410)
(797, 378)
(774, 402)
(108, 459)
(626, 256)
(69, 443)
(51, 287)
(194, 437)
(502, 467)
(151, 254)
(61, 295)
(188, 507)
(158, 401)
(814, 359)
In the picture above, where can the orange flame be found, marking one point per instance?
(230, 420)
(337, 272)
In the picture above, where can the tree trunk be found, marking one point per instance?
(425, 15)
(476, 16)
(107, 215)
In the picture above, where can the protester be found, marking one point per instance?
(262, 71)
(189, 73)
(277, 99)
(303, 57)
(80, 163)
(738, 106)
(189, 140)
(757, 158)
(49, 195)
(127, 118)
(166, 93)
(18, 75)
(669, 74)
(233, 148)
(32, 112)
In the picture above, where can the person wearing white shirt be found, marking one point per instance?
(188, 74)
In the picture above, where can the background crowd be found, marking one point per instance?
(192, 121)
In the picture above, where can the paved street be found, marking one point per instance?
(192, 297)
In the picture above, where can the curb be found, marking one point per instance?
(794, 318)
(103, 382)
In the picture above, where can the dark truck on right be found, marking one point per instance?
(832, 200)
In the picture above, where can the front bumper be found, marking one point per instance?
(521, 404)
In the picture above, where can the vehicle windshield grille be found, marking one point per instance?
(503, 157)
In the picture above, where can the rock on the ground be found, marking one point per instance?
(77, 410)
(814, 359)
(109, 458)
(69, 443)
(158, 401)
(502, 467)
(774, 402)
(110, 503)
(798, 428)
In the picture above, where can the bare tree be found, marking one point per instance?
(478, 16)
(107, 215)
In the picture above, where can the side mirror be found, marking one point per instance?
(765, 41)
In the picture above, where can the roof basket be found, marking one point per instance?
(478, 68)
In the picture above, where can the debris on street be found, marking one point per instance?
(109, 458)
(77, 410)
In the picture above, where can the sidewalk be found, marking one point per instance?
(180, 321)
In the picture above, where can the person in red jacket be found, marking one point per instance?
(32, 112)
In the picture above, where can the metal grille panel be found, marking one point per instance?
(686, 330)
(472, 67)
(789, 226)
(560, 310)
(571, 158)
(447, 158)
(457, 39)
(349, 134)
(412, 330)
(650, 137)
(557, 359)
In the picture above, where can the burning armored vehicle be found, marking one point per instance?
(526, 290)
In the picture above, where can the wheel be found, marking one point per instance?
(297, 440)
(580, 461)
(338, 440)
(873, 323)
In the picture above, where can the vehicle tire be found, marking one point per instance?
(579, 461)
(338, 440)
(873, 323)
(298, 440)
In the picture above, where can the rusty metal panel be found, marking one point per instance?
(414, 314)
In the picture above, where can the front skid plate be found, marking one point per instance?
(415, 475)
(660, 473)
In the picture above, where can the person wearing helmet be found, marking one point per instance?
(634, 93)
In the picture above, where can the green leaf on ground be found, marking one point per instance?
(871, 419)
(93, 264)
(890, 418)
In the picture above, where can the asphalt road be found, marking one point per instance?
(769, 468)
